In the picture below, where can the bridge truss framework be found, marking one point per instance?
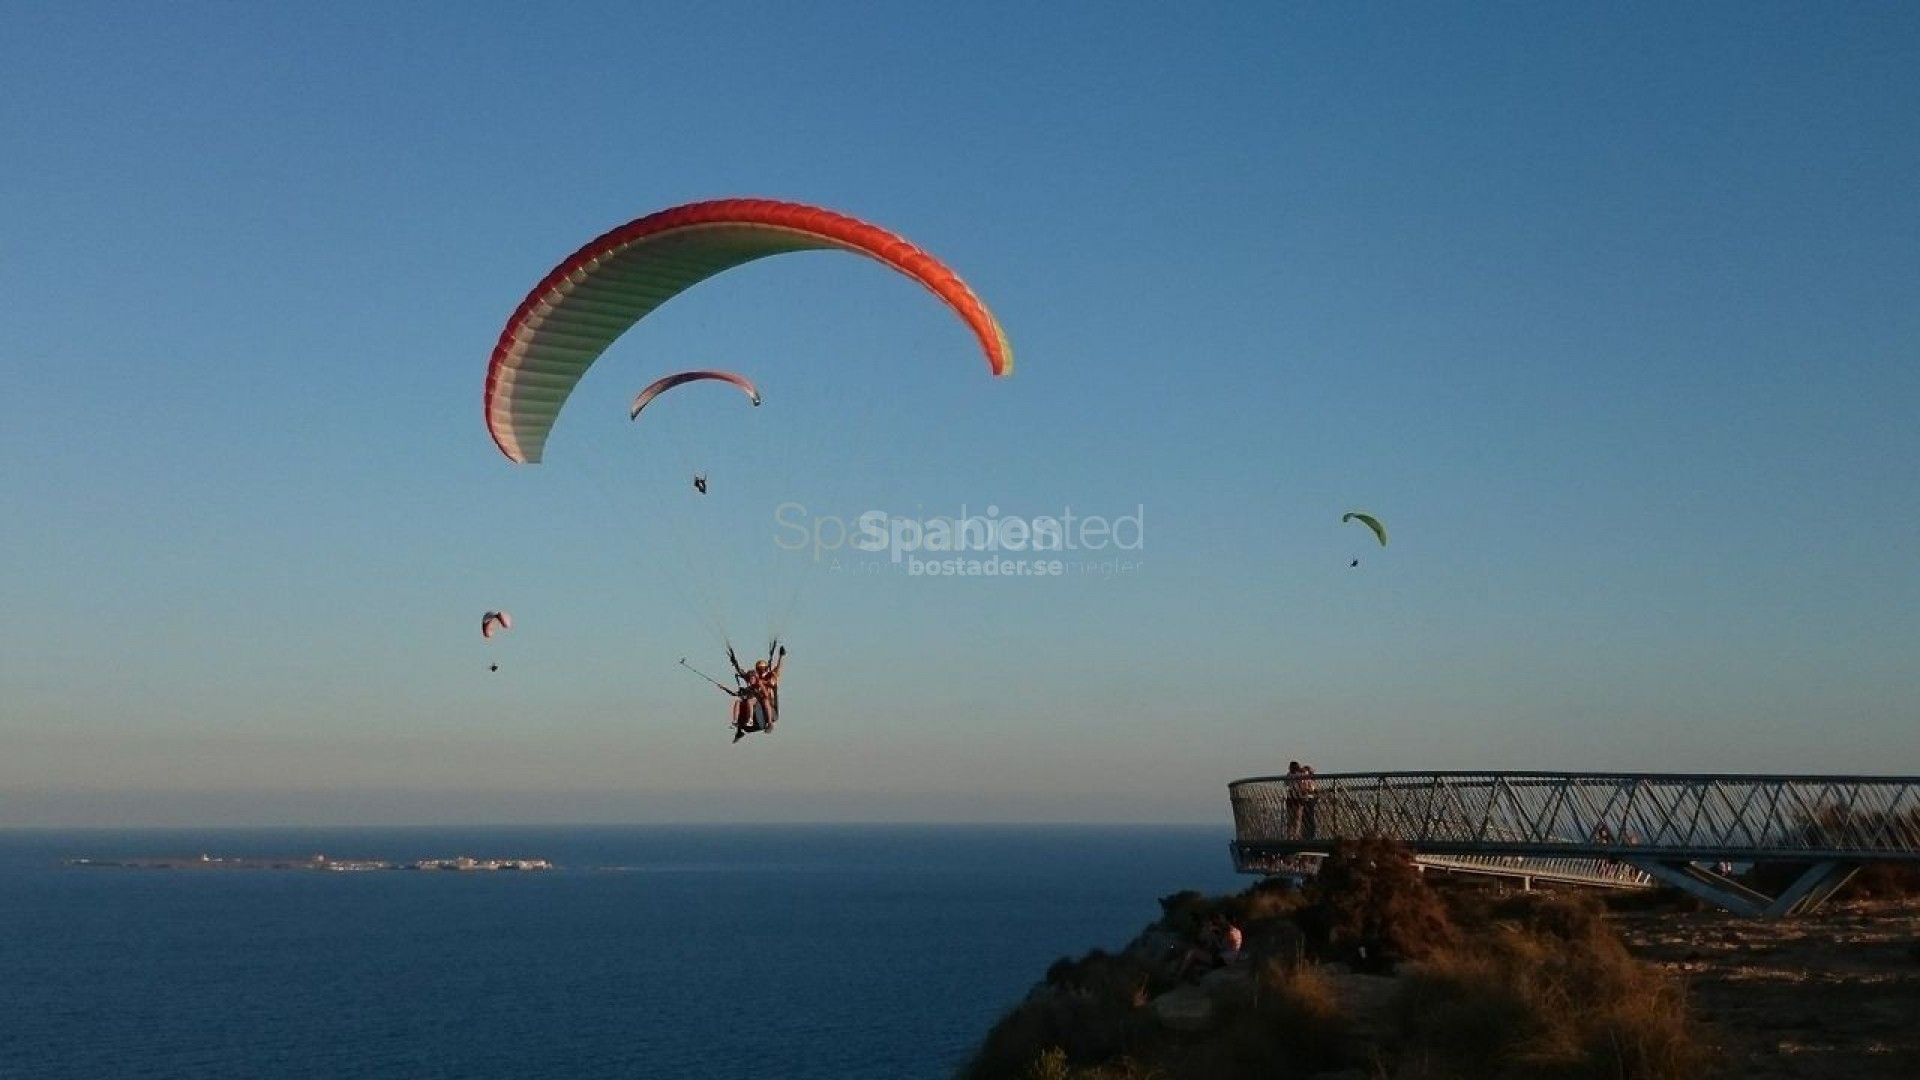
(1618, 830)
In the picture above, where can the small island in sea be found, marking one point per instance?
(458, 863)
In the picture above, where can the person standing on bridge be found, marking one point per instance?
(1309, 804)
(1296, 800)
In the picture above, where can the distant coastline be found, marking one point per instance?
(457, 864)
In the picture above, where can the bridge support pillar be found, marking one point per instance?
(1805, 895)
(1719, 891)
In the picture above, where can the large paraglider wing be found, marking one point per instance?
(578, 310)
(671, 381)
(1370, 522)
(493, 622)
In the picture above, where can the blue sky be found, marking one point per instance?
(1613, 316)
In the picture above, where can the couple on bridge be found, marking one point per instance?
(1303, 801)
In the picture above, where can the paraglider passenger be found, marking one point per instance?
(769, 673)
(742, 711)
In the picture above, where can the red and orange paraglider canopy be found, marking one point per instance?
(593, 297)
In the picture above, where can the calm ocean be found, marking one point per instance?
(801, 952)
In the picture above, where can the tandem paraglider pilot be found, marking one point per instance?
(757, 697)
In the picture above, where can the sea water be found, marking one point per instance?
(803, 952)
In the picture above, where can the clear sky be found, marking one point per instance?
(1611, 313)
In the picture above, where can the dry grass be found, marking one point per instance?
(1831, 996)
(1089, 1015)
(1090, 1025)
(1052, 1064)
(1508, 987)
(1550, 993)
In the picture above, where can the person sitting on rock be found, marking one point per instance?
(1219, 944)
(1232, 943)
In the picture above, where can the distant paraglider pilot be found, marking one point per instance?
(494, 622)
(1372, 523)
(700, 483)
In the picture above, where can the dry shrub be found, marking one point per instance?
(1552, 993)
(1052, 1064)
(1883, 881)
(1470, 1003)
(1083, 1029)
(1660, 898)
(1100, 975)
(1874, 881)
(1184, 911)
(1089, 1024)
(1265, 902)
(1370, 901)
(1301, 1008)
(1292, 1026)
(1578, 918)
(1089, 1014)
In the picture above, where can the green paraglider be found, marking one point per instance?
(1370, 522)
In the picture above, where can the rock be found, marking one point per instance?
(1228, 985)
(1366, 1000)
(1184, 1008)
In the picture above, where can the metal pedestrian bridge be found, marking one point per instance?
(1612, 830)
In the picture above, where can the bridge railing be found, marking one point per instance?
(1607, 873)
(1604, 873)
(1695, 816)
